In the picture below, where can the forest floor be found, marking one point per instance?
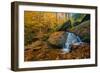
(42, 52)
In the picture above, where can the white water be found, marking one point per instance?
(72, 39)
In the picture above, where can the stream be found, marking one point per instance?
(71, 39)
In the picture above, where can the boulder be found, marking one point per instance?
(57, 38)
(82, 30)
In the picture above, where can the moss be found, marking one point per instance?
(86, 38)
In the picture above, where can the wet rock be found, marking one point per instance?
(57, 38)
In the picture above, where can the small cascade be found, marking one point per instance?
(71, 39)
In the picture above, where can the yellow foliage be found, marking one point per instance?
(45, 22)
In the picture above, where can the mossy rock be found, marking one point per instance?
(83, 31)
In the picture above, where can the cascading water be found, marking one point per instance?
(72, 39)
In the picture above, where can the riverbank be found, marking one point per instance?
(42, 52)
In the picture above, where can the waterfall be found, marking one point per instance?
(71, 39)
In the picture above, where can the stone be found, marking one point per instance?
(83, 31)
(57, 38)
